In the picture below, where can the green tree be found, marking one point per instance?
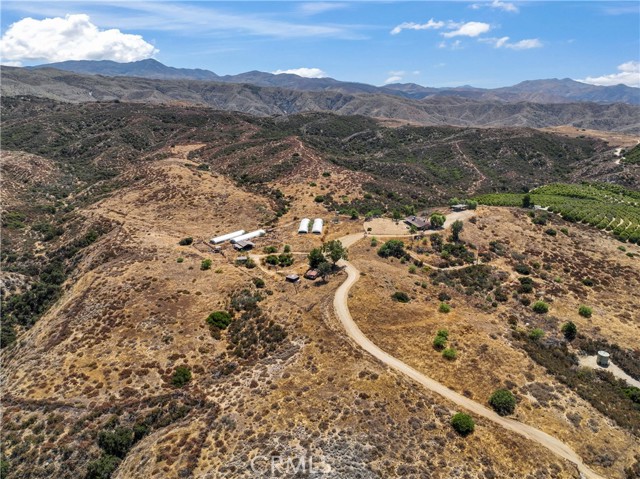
(393, 248)
(456, 229)
(503, 402)
(471, 204)
(462, 423)
(324, 270)
(536, 334)
(336, 250)
(220, 319)
(439, 342)
(401, 297)
(117, 442)
(437, 220)
(396, 215)
(181, 376)
(450, 354)
(206, 264)
(101, 468)
(315, 258)
(186, 241)
(526, 201)
(444, 308)
(569, 330)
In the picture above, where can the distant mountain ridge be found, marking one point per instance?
(269, 101)
(539, 91)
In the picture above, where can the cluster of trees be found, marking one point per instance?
(324, 259)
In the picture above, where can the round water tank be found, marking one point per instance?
(603, 358)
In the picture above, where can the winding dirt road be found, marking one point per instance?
(342, 311)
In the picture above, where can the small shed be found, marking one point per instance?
(304, 226)
(460, 207)
(603, 359)
(419, 223)
(243, 245)
(312, 274)
(292, 278)
(318, 224)
(242, 259)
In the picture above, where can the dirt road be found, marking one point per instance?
(342, 311)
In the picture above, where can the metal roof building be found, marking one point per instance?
(248, 236)
(318, 224)
(304, 226)
(228, 236)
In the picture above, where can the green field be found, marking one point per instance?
(606, 207)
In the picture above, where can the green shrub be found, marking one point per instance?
(503, 402)
(444, 308)
(181, 376)
(585, 311)
(319, 199)
(287, 248)
(206, 264)
(522, 269)
(540, 307)
(180, 260)
(588, 282)
(401, 297)
(449, 353)
(258, 282)
(326, 174)
(412, 269)
(569, 330)
(536, 334)
(439, 342)
(220, 319)
(374, 242)
(101, 468)
(462, 423)
(270, 249)
(186, 241)
(443, 333)
(551, 232)
(250, 263)
(564, 231)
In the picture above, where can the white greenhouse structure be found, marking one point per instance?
(304, 226)
(248, 236)
(318, 224)
(228, 236)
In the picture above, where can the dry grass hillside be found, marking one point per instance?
(101, 361)
(486, 327)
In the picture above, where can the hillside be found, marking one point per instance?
(268, 101)
(538, 91)
(115, 365)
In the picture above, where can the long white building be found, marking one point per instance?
(228, 236)
(318, 224)
(304, 226)
(248, 236)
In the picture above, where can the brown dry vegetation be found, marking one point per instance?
(488, 356)
(130, 314)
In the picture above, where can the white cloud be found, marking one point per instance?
(392, 79)
(71, 38)
(430, 25)
(506, 6)
(303, 72)
(519, 45)
(628, 74)
(469, 29)
(454, 45)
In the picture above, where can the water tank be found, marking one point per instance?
(317, 226)
(304, 226)
(603, 359)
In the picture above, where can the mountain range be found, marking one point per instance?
(540, 91)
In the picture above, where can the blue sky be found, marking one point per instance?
(485, 44)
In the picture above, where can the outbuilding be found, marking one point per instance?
(292, 278)
(226, 237)
(317, 227)
(312, 274)
(603, 359)
(243, 245)
(304, 226)
(460, 207)
(419, 223)
(248, 236)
